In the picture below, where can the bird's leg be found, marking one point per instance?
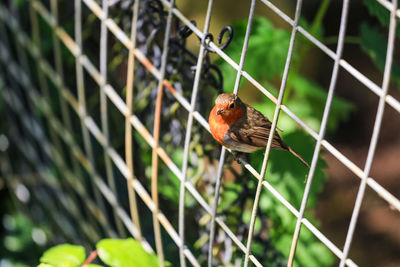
(239, 155)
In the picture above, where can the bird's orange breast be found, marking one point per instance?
(218, 126)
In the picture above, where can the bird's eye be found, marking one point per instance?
(232, 105)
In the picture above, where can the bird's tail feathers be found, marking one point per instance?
(298, 156)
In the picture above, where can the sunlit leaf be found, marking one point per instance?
(64, 255)
(125, 252)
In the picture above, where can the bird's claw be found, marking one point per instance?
(239, 156)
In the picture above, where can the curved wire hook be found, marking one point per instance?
(222, 46)
(155, 7)
(221, 35)
(185, 31)
(219, 82)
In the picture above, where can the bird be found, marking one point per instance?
(240, 127)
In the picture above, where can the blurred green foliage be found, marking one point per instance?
(17, 237)
(112, 252)
(374, 42)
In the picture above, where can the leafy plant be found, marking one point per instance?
(16, 237)
(112, 252)
(374, 42)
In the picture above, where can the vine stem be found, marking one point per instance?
(91, 257)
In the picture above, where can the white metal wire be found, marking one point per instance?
(187, 140)
(156, 133)
(223, 150)
(324, 122)
(375, 133)
(272, 131)
(104, 109)
(128, 128)
(32, 45)
(81, 91)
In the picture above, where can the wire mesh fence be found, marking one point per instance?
(68, 136)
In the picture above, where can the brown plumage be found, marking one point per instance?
(241, 127)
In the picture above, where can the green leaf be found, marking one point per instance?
(19, 3)
(64, 255)
(310, 99)
(125, 252)
(311, 252)
(375, 44)
(266, 54)
(381, 13)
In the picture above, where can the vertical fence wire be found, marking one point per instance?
(332, 85)
(375, 133)
(59, 69)
(22, 40)
(21, 54)
(82, 103)
(104, 109)
(63, 133)
(12, 98)
(272, 130)
(42, 79)
(46, 90)
(5, 46)
(22, 58)
(156, 133)
(188, 134)
(223, 150)
(215, 205)
(33, 126)
(65, 114)
(128, 127)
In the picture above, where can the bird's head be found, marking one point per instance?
(229, 106)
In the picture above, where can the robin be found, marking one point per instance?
(241, 127)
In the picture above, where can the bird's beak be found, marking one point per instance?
(220, 111)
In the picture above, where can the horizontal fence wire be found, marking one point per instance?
(61, 130)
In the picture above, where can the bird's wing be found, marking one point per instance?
(254, 129)
(256, 136)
